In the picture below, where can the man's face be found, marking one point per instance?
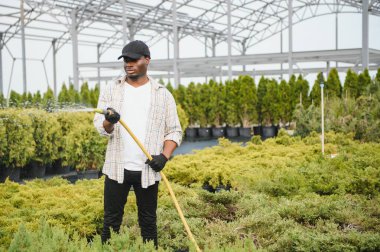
(135, 68)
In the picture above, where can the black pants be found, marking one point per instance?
(115, 197)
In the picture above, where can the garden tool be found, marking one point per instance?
(190, 235)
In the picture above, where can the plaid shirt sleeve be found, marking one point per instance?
(173, 130)
(104, 99)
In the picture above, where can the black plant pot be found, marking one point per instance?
(269, 131)
(204, 133)
(36, 170)
(257, 130)
(232, 132)
(191, 133)
(64, 170)
(218, 132)
(245, 132)
(12, 173)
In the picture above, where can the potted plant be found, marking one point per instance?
(85, 150)
(204, 131)
(270, 109)
(46, 135)
(217, 108)
(232, 118)
(66, 124)
(17, 137)
(192, 110)
(247, 102)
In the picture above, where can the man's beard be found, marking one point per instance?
(136, 76)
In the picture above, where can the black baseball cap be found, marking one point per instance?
(135, 49)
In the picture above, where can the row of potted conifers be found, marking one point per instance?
(34, 143)
(204, 133)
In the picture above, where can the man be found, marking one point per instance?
(149, 109)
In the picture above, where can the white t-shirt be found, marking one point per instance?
(135, 115)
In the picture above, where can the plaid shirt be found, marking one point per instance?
(163, 124)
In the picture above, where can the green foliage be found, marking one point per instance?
(284, 108)
(94, 93)
(183, 119)
(315, 94)
(232, 102)
(2, 100)
(63, 96)
(15, 99)
(85, 148)
(270, 103)
(217, 101)
(351, 88)
(364, 81)
(204, 104)
(261, 91)
(307, 120)
(85, 94)
(74, 96)
(247, 101)
(37, 98)
(285, 196)
(192, 104)
(17, 137)
(46, 135)
(333, 87)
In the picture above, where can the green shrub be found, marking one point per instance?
(18, 138)
(85, 148)
(46, 135)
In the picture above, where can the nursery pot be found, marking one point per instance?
(12, 173)
(218, 132)
(191, 133)
(245, 132)
(232, 132)
(268, 132)
(257, 130)
(36, 170)
(204, 132)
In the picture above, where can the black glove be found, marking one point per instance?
(113, 117)
(158, 162)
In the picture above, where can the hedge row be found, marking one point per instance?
(32, 135)
(241, 102)
(285, 197)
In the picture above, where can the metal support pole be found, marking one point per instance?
(336, 29)
(213, 45)
(229, 39)
(290, 56)
(175, 44)
(244, 51)
(74, 41)
(124, 22)
(98, 60)
(168, 50)
(365, 35)
(22, 19)
(54, 67)
(322, 120)
(206, 55)
(1, 64)
(281, 66)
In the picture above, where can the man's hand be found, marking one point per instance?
(158, 162)
(112, 116)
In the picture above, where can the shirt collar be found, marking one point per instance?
(153, 82)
